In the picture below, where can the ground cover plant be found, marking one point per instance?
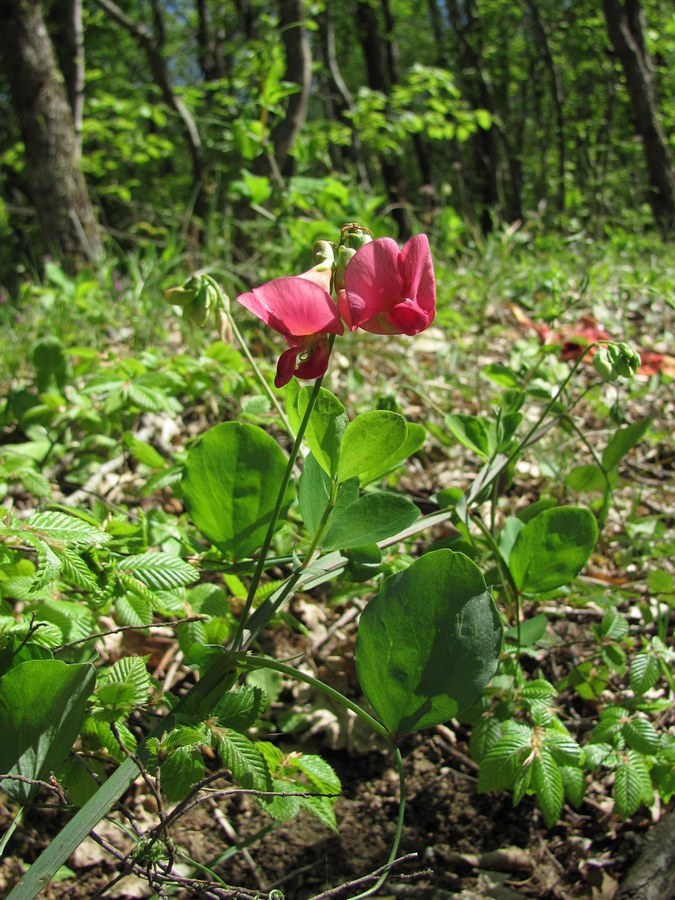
(475, 511)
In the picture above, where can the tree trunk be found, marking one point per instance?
(556, 95)
(65, 26)
(625, 28)
(298, 71)
(328, 43)
(152, 47)
(53, 173)
(378, 71)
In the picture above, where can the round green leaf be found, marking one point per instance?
(231, 482)
(368, 440)
(428, 643)
(552, 549)
(369, 519)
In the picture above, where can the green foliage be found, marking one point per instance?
(42, 703)
(428, 643)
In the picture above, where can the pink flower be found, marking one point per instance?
(390, 291)
(303, 312)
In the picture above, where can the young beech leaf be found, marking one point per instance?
(428, 643)
(548, 784)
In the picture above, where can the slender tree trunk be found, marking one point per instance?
(65, 26)
(556, 95)
(152, 47)
(298, 71)
(39, 98)
(626, 32)
(209, 45)
(379, 80)
(483, 142)
(341, 87)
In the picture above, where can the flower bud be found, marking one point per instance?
(344, 257)
(355, 236)
(185, 295)
(323, 255)
(603, 365)
(628, 361)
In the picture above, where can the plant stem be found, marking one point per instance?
(399, 826)
(225, 309)
(14, 824)
(257, 574)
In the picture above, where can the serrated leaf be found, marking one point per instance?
(160, 571)
(501, 764)
(124, 686)
(242, 758)
(255, 405)
(539, 688)
(632, 784)
(74, 569)
(574, 784)
(49, 565)
(641, 735)
(183, 736)
(285, 808)
(562, 747)
(58, 526)
(644, 672)
(146, 398)
(599, 754)
(132, 609)
(240, 708)
(484, 735)
(179, 772)
(134, 586)
(35, 483)
(548, 785)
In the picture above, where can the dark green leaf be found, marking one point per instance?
(552, 549)
(622, 441)
(231, 483)
(369, 519)
(42, 704)
(429, 642)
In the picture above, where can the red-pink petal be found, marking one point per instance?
(286, 367)
(408, 318)
(294, 306)
(417, 272)
(372, 280)
(317, 360)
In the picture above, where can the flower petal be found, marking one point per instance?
(317, 359)
(408, 318)
(295, 306)
(373, 282)
(286, 367)
(417, 271)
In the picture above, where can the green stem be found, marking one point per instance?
(14, 824)
(251, 661)
(322, 524)
(225, 309)
(247, 660)
(257, 574)
(399, 827)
